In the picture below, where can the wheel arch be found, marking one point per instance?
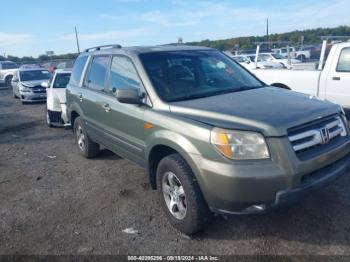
(73, 111)
(165, 145)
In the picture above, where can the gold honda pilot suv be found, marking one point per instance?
(213, 137)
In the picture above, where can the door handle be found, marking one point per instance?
(80, 95)
(106, 107)
(336, 78)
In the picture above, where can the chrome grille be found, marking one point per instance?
(318, 134)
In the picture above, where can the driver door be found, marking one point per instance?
(338, 80)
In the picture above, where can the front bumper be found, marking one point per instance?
(32, 97)
(312, 182)
(258, 186)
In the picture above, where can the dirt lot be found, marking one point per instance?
(52, 201)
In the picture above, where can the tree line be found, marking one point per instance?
(40, 59)
(297, 37)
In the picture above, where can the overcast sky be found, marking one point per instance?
(29, 28)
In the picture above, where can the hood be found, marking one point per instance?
(268, 110)
(33, 83)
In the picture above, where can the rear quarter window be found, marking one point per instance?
(9, 66)
(78, 69)
(344, 60)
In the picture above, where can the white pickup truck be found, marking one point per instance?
(332, 82)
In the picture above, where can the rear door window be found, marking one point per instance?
(61, 80)
(96, 77)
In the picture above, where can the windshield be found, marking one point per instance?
(278, 56)
(185, 75)
(61, 80)
(31, 75)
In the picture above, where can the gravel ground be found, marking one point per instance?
(52, 201)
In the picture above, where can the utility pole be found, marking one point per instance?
(76, 38)
(267, 31)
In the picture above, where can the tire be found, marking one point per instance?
(87, 148)
(190, 213)
(48, 118)
(8, 82)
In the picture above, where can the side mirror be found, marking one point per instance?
(14, 80)
(128, 96)
(45, 84)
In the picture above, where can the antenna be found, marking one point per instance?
(76, 38)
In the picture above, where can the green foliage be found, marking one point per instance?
(311, 36)
(40, 59)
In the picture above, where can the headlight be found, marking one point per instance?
(239, 144)
(24, 88)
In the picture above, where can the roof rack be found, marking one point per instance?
(97, 48)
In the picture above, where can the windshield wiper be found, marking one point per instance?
(197, 96)
(243, 88)
(215, 93)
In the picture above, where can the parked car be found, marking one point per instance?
(56, 98)
(248, 61)
(300, 54)
(212, 136)
(50, 66)
(29, 66)
(65, 65)
(26, 84)
(7, 69)
(331, 83)
(277, 58)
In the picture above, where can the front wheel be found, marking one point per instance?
(86, 146)
(180, 195)
(8, 82)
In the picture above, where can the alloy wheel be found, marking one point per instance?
(80, 138)
(174, 195)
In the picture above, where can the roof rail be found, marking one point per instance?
(97, 48)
